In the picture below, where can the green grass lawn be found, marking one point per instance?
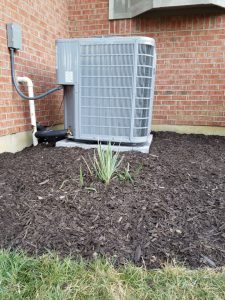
(49, 277)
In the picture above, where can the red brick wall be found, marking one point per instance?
(42, 22)
(191, 59)
(190, 74)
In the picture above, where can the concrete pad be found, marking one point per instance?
(144, 148)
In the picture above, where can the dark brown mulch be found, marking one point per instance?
(174, 210)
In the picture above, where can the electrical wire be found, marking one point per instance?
(60, 87)
(53, 124)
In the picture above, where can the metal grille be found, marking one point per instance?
(106, 89)
(144, 88)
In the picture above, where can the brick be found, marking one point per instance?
(42, 23)
(190, 80)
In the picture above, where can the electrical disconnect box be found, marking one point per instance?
(14, 35)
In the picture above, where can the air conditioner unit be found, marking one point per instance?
(109, 87)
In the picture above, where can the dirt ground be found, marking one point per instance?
(174, 210)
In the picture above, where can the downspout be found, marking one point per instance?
(30, 87)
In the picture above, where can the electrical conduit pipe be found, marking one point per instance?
(30, 87)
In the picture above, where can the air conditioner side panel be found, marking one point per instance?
(66, 62)
(69, 107)
(144, 90)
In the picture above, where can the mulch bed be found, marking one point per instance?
(174, 210)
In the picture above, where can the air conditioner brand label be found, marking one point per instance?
(69, 76)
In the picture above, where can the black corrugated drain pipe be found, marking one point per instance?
(51, 135)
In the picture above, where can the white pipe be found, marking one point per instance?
(30, 87)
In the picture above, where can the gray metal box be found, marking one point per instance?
(120, 9)
(14, 35)
(67, 55)
(109, 87)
